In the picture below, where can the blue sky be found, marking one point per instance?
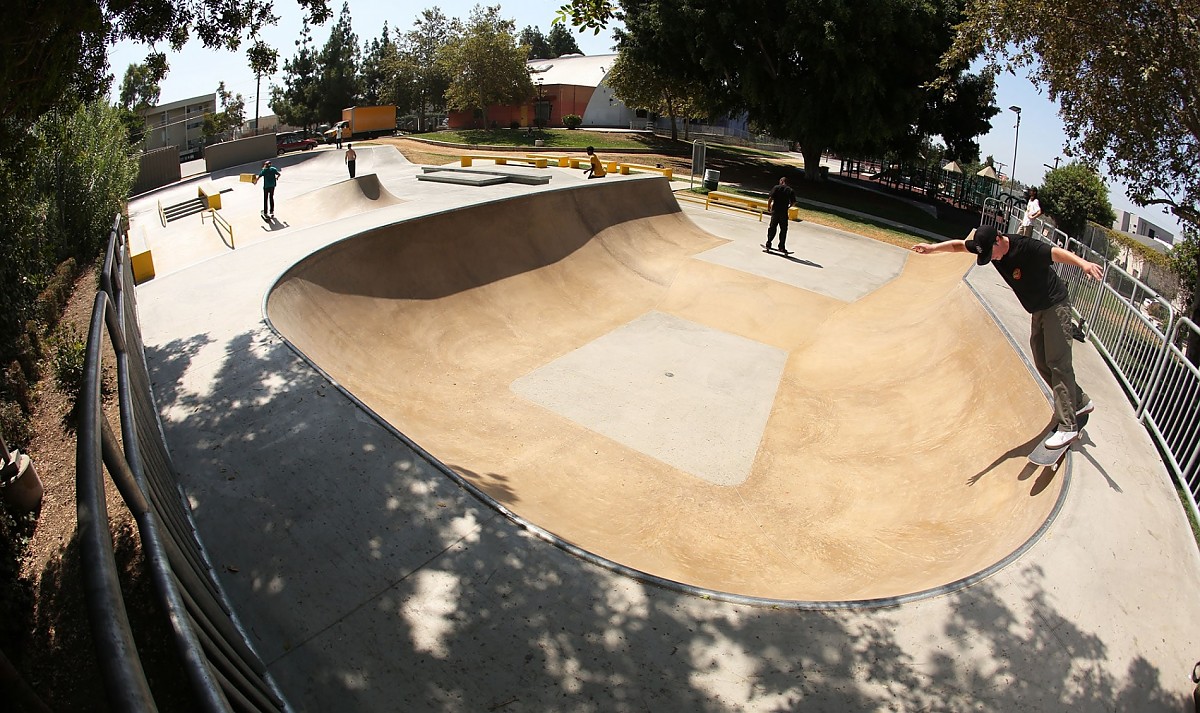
(197, 71)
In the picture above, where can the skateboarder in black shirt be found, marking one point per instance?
(1026, 264)
(779, 202)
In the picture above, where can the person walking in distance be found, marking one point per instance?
(1033, 211)
(595, 167)
(1027, 265)
(779, 202)
(270, 176)
(350, 158)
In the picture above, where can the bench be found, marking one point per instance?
(539, 162)
(141, 260)
(758, 205)
(563, 161)
(578, 162)
(625, 168)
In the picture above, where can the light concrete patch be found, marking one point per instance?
(831, 263)
(688, 395)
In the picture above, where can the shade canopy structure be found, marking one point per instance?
(952, 167)
(987, 172)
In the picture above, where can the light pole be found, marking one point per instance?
(1012, 177)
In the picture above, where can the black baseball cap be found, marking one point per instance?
(981, 242)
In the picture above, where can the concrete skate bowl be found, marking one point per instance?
(568, 356)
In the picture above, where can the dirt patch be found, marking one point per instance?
(47, 637)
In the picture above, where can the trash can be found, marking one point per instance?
(711, 177)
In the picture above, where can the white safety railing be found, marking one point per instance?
(1142, 337)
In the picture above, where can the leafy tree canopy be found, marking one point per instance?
(562, 41)
(538, 44)
(55, 52)
(1074, 194)
(1124, 75)
(800, 69)
(295, 102)
(139, 89)
(485, 64)
(373, 78)
(417, 80)
(225, 123)
(338, 80)
(646, 87)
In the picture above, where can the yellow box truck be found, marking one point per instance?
(361, 122)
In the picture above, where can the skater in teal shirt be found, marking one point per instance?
(270, 176)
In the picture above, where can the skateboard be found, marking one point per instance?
(775, 251)
(1051, 457)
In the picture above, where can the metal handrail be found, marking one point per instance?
(224, 671)
(1146, 357)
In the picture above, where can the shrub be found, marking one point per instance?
(572, 121)
(53, 299)
(14, 424)
(514, 125)
(15, 386)
(68, 353)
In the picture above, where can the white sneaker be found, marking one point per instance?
(1058, 439)
(1086, 408)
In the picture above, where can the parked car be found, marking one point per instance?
(295, 141)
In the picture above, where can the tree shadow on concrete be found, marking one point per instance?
(369, 581)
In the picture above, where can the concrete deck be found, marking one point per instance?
(369, 580)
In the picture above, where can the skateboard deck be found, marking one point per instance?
(775, 251)
(1044, 456)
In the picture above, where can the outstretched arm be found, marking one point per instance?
(949, 246)
(1065, 257)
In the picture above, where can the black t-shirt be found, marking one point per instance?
(782, 197)
(1029, 271)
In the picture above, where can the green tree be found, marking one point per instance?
(224, 124)
(592, 15)
(1185, 263)
(797, 69)
(139, 91)
(84, 163)
(1124, 77)
(418, 80)
(140, 88)
(485, 64)
(54, 53)
(337, 86)
(1074, 194)
(538, 44)
(296, 102)
(959, 107)
(373, 76)
(264, 59)
(562, 41)
(59, 203)
(646, 87)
